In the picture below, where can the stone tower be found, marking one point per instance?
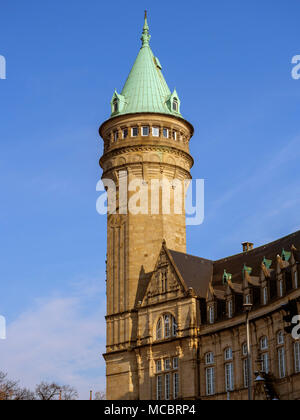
(146, 141)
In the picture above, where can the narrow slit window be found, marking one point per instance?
(175, 105)
(265, 293)
(116, 105)
(230, 309)
(281, 288)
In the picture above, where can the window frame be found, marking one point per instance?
(153, 131)
(175, 105)
(211, 314)
(158, 365)
(264, 343)
(115, 105)
(168, 386)
(280, 338)
(148, 131)
(132, 133)
(210, 381)
(248, 299)
(159, 329)
(281, 288)
(265, 363)
(166, 327)
(167, 131)
(228, 356)
(209, 358)
(229, 377)
(159, 387)
(167, 365)
(246, 372)
(281, 362)
(176, 385)
(175, 364)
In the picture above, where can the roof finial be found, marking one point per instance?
(146, 36)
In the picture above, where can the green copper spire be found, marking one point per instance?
(146, 36)
(146, 89)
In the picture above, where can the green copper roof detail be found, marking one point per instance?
(146, 89)
(145, 36)
(286, 255)
(226, 277)
(267, 263)
(246, 269)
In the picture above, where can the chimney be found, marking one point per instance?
(247, 246)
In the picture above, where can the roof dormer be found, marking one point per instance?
(117, 104)
(173, 103)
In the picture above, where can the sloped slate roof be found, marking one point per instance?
(254, 258)
(198, 272)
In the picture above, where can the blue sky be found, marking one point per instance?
(231, 65)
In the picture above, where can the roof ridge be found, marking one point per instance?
(254, 250)
(190, 255)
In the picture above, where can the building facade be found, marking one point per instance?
(176, 322)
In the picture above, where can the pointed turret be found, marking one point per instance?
(146, 89)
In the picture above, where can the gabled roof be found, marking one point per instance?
(146, 89)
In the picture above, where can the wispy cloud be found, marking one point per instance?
(59, 339)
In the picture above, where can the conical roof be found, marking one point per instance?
(145, 89)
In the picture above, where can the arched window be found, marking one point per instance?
(280, 338)
(228, 353)
(175, 104)
(209, 358)
(264, 343)
(159, 330)
(245, 349)
(116, 105)
(166, 327)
